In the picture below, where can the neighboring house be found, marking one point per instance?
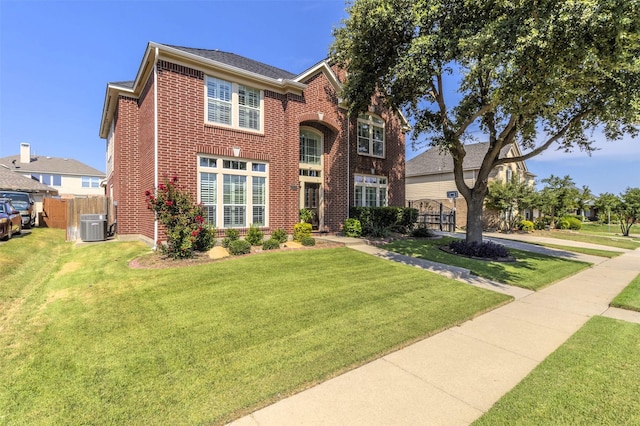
(429, 176)
(12, 181)
(69, 177)
(251, 142)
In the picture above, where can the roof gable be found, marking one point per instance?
(435, 161)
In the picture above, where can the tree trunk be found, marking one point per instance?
(474, 217)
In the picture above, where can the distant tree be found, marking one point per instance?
(629, 209)
(558, 196)
(536, 73)
(510, 199)
(606, 204)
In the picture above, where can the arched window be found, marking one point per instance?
(310, 147)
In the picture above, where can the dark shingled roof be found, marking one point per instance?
(52, 165)
(239, 62)
(12, 181)
(434, 161)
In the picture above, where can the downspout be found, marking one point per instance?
(155, 141)
(348, 162)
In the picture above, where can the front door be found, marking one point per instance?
(312, 201)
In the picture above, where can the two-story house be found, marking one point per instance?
(71, 178)
(251, 142)
(429, 176)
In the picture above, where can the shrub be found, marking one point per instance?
(301, 230)
(182, 219)
(572, 222)
(254, 236)
(271, 244)
(526, 225)
(280, 235)
(488, 249)
(230, 236)
(308, 241)
(421, 232)
(352, 228)
(306, 215)
(541, 223)
(372, 219)
(378, 231)
(562, 224)
(238, 247)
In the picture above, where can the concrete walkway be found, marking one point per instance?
(452, 378)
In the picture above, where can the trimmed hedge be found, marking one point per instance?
(374, 219)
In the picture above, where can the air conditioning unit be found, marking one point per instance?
(93, 227)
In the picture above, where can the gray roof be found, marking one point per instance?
(238, 61)
(52, 165)
(13, 181)
(433, 161)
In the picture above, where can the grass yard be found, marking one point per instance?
(592, 379)
(84, 339)
(593, 252)
(618, 241)
(629, 298)
(531, 270)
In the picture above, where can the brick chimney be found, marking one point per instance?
(25, 153)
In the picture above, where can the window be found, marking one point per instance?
(371, 136)
(243, 186)
(233, 104)
(90, 182)
(370, 191)
(310, 147)
(218, 101)
(47, 179)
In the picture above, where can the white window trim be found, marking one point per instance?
(376, 185)
(370, 121)
(235, 106)
(220, 171)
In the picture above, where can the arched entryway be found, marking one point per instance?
(311, 174)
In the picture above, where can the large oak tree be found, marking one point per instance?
(534, 72)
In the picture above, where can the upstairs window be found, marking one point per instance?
(234, 105)
(371, 136)
(310, 147)
(90, 182)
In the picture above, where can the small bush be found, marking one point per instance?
(487, 250)
(421, 232)
(254, 236)
(230, 236)
(238, 247)
(541, 223)
(376, 231)
(571, 222)
(280, 235)
(301, 230)
(306, 215)
(526, 225)
(352, 228)
(308, 241)
(271, 244)
(562, 224)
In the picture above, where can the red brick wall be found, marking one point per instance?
(183, 134)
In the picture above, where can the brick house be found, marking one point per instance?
(251, 142)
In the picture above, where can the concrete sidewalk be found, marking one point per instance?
(452, 378)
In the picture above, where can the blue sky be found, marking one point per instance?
(56, 58)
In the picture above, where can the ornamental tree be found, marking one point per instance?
(628, 209)
(510, 198)
(182, 219)
(539, 73)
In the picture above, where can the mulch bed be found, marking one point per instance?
(447, 249)
(160, 261)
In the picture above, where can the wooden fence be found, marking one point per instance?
(66, 213)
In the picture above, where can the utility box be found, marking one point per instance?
(93, 227)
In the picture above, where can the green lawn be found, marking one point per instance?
(629, 298)
(531, 270)
(593, 252)
(590, 380)
(618, 241)
(87, 340)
